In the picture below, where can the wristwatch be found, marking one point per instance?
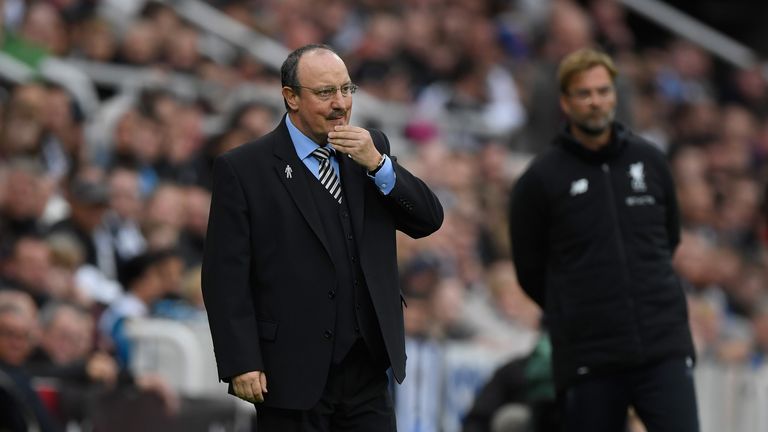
(378, 166)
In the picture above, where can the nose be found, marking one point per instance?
(337, 101)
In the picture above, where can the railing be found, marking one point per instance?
(683, 25)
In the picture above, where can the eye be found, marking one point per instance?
(348, 88)
(326, 92)
(604, 91)
(582, 94)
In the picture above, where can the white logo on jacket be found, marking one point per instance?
(579, 186)
(637, 174)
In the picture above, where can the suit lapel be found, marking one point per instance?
(353, 184)
(295, 177)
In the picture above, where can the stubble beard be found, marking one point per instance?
(596, 127)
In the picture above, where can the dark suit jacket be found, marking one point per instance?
(267, 269)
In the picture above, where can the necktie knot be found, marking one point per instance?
(322, 153)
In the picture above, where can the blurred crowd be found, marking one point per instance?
(103, 209)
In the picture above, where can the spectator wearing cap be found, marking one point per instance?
(88, 196)
(89, 200)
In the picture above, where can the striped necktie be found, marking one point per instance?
(328, 176)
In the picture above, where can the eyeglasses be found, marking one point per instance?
(326, 93)
(584, 95)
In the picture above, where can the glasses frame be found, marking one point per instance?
(319, 92)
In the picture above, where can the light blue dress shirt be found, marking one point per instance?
(384, 178)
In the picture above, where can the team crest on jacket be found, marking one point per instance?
(637, 174)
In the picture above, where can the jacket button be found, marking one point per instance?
(327, 334)
(349, 236)
(331, 294)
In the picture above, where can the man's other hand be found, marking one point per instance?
(250, 386)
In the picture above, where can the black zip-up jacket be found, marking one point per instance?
(593, 233)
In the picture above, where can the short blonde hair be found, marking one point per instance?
(581, 60)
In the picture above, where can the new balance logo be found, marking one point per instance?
(579, 187)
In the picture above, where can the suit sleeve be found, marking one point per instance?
(528, 234)
(416, 209)
(226, 284)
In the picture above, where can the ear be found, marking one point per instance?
(291, 98)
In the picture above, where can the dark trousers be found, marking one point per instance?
(355, 399)
(661, 393)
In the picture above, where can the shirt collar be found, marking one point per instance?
(303, 144)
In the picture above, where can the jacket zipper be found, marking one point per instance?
(622, 253)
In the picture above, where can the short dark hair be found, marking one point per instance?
(289, 69)
(135, 268)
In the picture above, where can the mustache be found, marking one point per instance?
(337, 113)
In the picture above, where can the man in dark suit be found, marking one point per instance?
(300, 270)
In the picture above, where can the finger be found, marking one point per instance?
(343, 141)
(347, 128)
(263, 380)
(345, 135)
(347, 150)
(255, 386)
(243, 390)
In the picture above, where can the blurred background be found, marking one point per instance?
(112, 111)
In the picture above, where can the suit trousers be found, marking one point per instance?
(661, 393)
(356, 398)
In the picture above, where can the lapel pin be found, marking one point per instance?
(288, 171)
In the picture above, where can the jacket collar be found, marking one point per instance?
(615, 146)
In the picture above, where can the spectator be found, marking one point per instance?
(28, 268)
(197, 203)
(124, 217)
(88, 195)
(21, 406)
(146, 279)
(26, 195)
(65, 356)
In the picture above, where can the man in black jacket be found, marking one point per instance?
(594, 224)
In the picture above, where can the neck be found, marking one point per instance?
(589, 141)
